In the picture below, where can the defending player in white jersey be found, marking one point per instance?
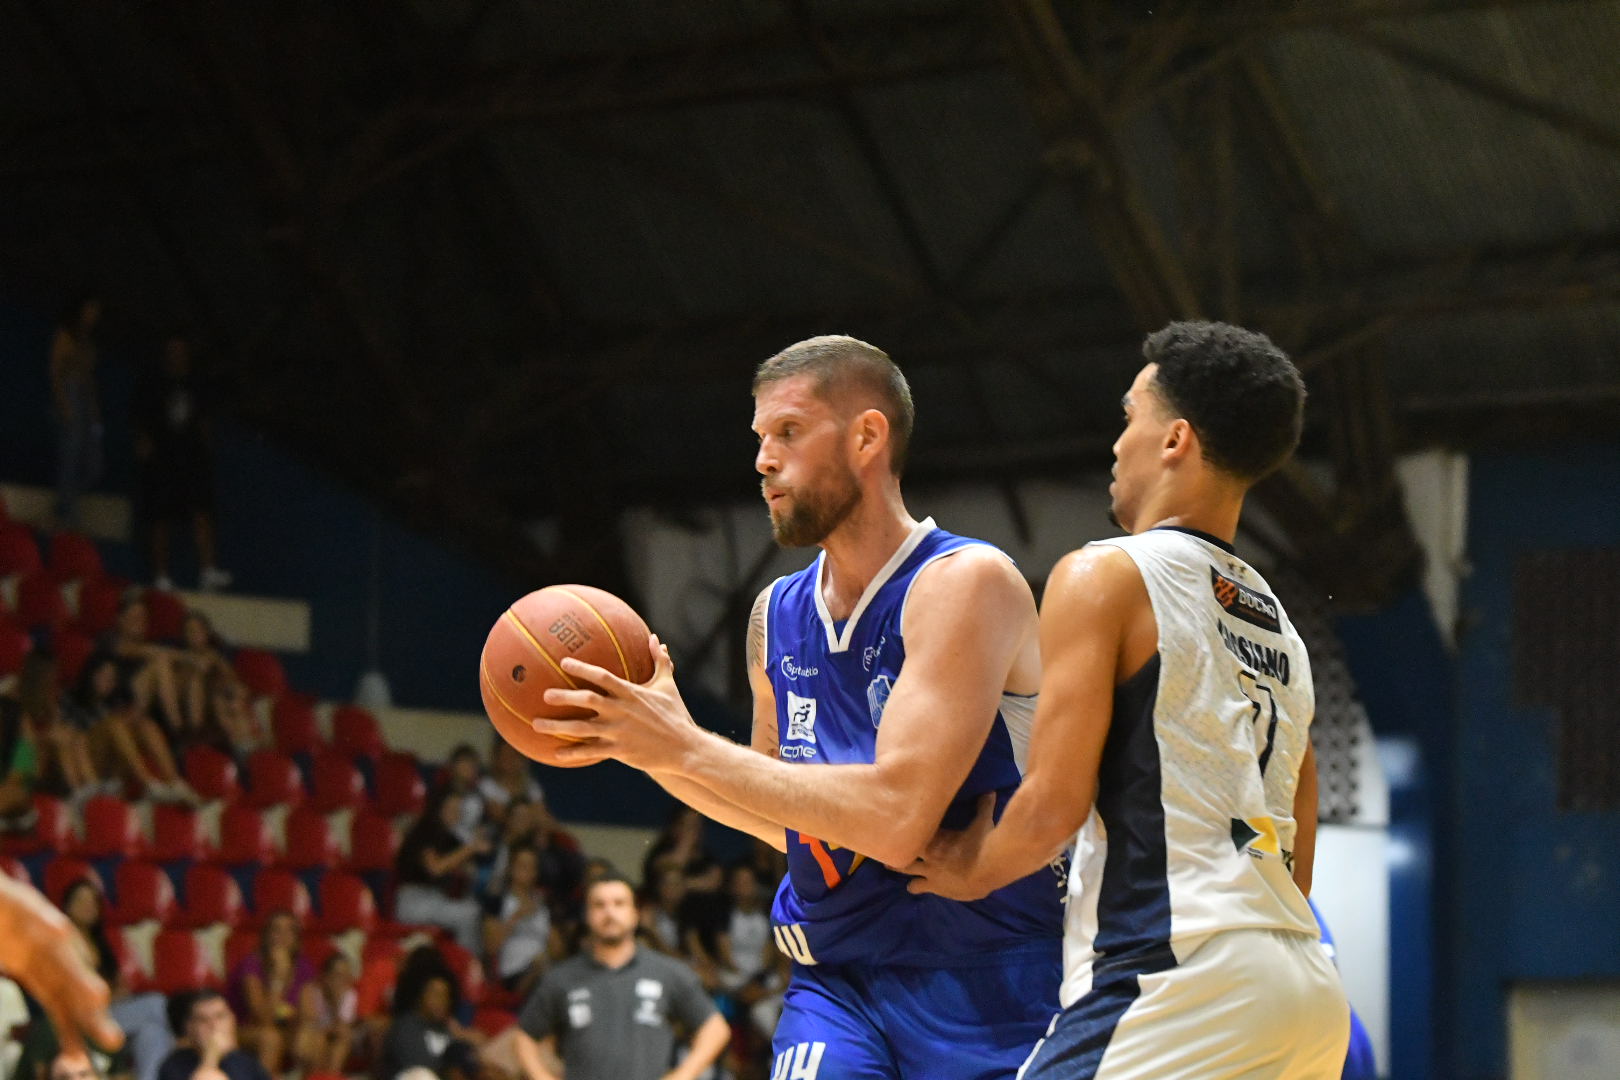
(1171, 747)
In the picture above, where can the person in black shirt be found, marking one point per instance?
(173, 437)
(434, 867)
(427, 1036)
(210, 1053)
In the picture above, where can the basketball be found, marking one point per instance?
(523, 656)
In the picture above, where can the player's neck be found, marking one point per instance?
(1215, 512)
(860, 547)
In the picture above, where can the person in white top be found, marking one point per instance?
(1171, 748)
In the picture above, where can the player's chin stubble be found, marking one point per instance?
(815, 515)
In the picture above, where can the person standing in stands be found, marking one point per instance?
(174, 449)
(77, 406)
(610, 1012)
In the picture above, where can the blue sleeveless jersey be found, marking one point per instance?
(831, 683)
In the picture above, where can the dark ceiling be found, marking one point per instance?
(501, 260)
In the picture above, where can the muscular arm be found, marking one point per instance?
(1305, 811)
(708, 803)
(965, 621)
(1090, 600)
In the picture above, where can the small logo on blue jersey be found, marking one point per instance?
(790, 670)
(877, 696)
(801, 717)
(870, 654)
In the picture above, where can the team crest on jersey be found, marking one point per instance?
(1241, 602)
(877, 696)
(801, 717)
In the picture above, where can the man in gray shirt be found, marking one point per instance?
(609, 1013)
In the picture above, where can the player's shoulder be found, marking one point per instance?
(974, 566)
(1097, 576)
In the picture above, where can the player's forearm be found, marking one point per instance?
(723, 810)
(852, 806)
(1028, 836)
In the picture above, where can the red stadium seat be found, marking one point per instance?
(74, 557)
(239, 945)
(346, 904)
(19, 551)
(165, 615)
(39, 601)
(72, 649)
(469, 972)
(279, 890)
(261, 671)
(212, 896)
(15, 645)
(373, 842)
(179, 962)
(311, 844)
(316, 948)
(62, 871)
(177, 833)
(211, 773)
(338, 783)
(99, 601)
(292, 721)
(52, 832)
(144, 892)
(493, 1021)
(400, 789)
(355, 732)
(273, 780)
(111, 827)
(14, 869)
(244, 837)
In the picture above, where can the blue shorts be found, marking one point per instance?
(905, 1023)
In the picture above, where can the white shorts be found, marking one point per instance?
(1243, 1005)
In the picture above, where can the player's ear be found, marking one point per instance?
(1180, 440)
(869, 434)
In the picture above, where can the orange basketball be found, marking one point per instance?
(523, 657)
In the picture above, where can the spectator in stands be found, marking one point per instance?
(680, 844)
(232, 719)
(80, 1067)
(199, 663)
(146, 667)
(610, 1012)
(510, 782)
(63, 743)
(433, 868)
(19, 767)
(703, 916)
(337, 1011)
(173, 437)
(140, 1015)
(427, 1036)
(753, 971)
(77, 406)
(519, 937)
(273, 990)
(205, 1022)
(464, 777)
(120, 733)
(660, 910)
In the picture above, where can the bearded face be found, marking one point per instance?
(807, 515)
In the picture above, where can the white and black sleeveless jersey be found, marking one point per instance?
(1192, 831)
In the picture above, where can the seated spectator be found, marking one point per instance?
(681, 844)
(336, 1012)
(660, 912)
(753, 971)
(273, 990)
(41, 1057)
(145, 668)
(425, 1035)
(232, 721)
(510, 782)
(519, 938)
(464, 777)
(433, 869)
(173, 432)
(19, 768)
(140, 1015)
(63, 745)
(204, 1021)
(703, 917)
(122, 738)
(81, 1067)
(199, 663)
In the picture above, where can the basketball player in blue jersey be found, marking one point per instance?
(1171, 748)
(893, 683)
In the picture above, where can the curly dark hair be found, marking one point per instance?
(1238, 390)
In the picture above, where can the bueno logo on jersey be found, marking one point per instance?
(1241, 602)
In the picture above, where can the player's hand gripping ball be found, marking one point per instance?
(524, 652)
